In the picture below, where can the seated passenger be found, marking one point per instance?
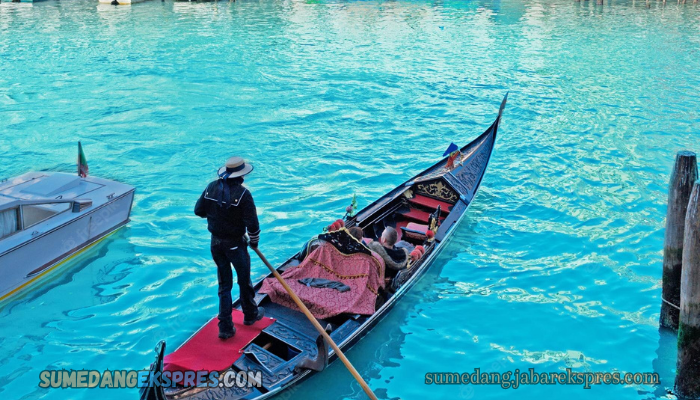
(309, 248)
(402, 244)
(394, 258)
(314, 242)
(357, 233)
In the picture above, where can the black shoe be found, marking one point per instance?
(227, 335)
(261, 313)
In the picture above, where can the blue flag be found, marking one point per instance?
(453, 147)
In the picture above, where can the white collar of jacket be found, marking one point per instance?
(235, 196)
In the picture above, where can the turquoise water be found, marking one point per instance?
(557, 265)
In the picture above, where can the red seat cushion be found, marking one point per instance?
(415, 231)
(424, 201)
(417, 227)
(206, 352)
(418, 215)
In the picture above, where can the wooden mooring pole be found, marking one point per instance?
(685, 173)
(687, 384)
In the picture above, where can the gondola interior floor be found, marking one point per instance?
(206, 352)
(293, 319)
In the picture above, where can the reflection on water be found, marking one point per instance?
(557, 265)
(64, 302)
(665, 363)
(92, 266)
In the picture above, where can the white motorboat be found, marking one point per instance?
(47, 218)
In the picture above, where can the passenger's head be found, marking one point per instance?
(356, 232)
(389, 236)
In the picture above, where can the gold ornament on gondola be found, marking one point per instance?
(438, 190)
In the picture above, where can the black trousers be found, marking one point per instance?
(225, 253)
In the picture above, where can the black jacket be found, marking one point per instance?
(395, 258)
(235, 215)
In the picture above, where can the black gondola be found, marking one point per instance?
(293, 352)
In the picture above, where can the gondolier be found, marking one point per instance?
(230, 211)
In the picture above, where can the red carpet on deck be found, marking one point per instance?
(205, 351)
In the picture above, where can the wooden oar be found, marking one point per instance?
(318, 327)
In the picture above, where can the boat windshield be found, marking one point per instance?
(35, 213)
(8, 222)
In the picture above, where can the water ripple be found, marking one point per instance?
(558, 264)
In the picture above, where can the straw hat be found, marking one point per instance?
(235, 167)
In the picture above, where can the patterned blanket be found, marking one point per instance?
(362, 272)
